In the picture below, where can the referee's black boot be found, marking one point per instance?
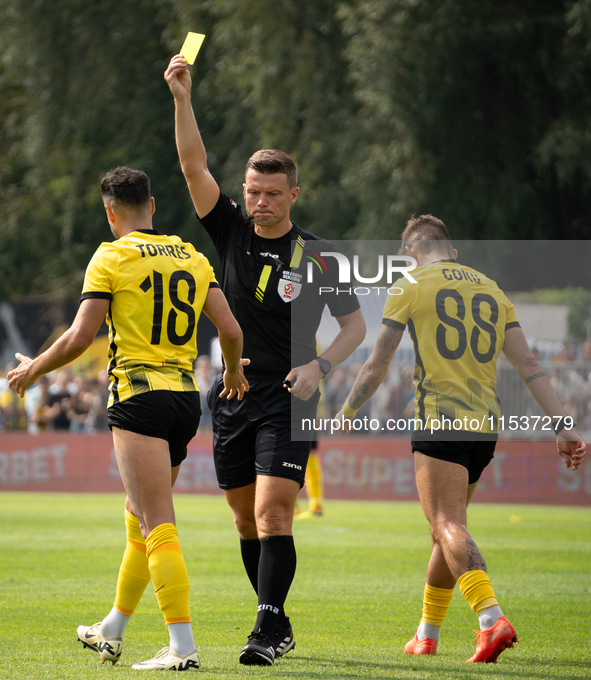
(258, 651)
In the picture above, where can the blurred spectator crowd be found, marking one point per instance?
(64, 401)
(569, 372)
(58, 401)
(567, 365)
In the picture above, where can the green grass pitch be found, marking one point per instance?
(356, 599)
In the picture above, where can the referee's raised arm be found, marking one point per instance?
(193, 157)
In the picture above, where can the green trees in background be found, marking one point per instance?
(85, 94)
(476, 112)
(280, 80)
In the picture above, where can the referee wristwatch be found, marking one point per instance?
(325, 366)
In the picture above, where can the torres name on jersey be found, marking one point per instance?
(157, 285)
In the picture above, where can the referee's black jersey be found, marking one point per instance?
(267, 287)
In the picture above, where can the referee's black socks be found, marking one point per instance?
(250, 549)
(277, 565)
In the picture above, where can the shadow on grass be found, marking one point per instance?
(429, 667)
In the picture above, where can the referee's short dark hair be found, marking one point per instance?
(271, 161)
(421, 230)
(124, 187)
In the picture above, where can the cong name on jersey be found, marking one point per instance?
(459, 274)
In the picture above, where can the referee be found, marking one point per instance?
(259, 465)
(459, 321)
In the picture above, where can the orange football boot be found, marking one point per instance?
(416, 646)
(492, 641)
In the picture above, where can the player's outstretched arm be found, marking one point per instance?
(568, 443)
(192, 155)
(217, 309)
(371, 375)
(68, 347)
(305, 379)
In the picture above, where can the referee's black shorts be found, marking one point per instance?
(474, 455)
(173, 416)
(254, 436)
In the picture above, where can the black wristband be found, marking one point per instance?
(560, 425)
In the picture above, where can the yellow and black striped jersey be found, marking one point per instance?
(157, 285)
(457, 319)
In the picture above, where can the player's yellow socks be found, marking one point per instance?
(435, 604)
(477, 590)
(169, 573)
(134, 574)
(314, 483)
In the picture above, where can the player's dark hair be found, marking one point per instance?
(271, 161)
(420, 231)
(126, 188)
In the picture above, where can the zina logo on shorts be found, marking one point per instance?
(292, 465)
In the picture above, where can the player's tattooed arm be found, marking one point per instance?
(362, 392)
(375, 368)
(387, 343)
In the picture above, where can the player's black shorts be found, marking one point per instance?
(164, 414)
(473, 455)
(253, 436)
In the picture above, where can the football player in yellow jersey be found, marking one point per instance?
(459, 321)
(152, 288)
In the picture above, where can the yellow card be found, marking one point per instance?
(191, 46)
